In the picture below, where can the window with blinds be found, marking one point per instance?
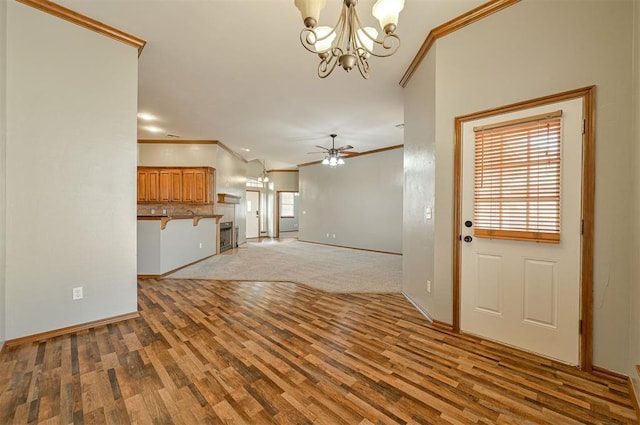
(287, 205)
(517, 179)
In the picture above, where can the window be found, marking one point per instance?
(287, 205)
(254, 183)
(517, 179)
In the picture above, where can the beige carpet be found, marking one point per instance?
(324, 267)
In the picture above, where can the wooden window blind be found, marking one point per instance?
(517, 179)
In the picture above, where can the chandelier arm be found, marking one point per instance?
(390, 42)
(363, 63)
(328, 62)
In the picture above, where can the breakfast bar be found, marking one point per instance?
(169, 242)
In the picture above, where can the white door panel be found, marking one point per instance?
(253, 214)
(522, 293)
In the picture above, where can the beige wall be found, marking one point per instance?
(419, 191)
(177, 155)
(359, 202)
(634, 323)
(3, 174)
(529, 50)
(71, 105)
(231, 177)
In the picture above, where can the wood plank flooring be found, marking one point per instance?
(226, 352)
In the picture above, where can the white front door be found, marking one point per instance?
(253, 214)
(525, 293)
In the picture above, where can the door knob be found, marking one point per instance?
(468, 223)
(468, 238)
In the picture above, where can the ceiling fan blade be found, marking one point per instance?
(344, 148)
(314, 152)
(321, 147)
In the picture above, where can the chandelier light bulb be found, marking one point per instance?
(324, 38)
(325, 161)
(340, 161)
(310, 11)
(333, 161)
(387, 13)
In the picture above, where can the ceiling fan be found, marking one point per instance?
(333, 155)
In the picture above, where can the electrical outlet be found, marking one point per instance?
(428, 286)
(200, 244)
(77, 293)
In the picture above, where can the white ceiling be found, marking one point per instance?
(235, 71)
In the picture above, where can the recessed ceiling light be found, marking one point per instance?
(153, 129)
(146, 116)
(245, 149)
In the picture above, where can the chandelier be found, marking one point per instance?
(348, 43)
(263, 178)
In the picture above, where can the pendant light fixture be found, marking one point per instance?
(349, 43)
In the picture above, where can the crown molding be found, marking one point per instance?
(453, 25)
(354, 154)
(86, 22)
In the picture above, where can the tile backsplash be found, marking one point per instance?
(174, 209)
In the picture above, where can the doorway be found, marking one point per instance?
(253, 214)
(526, 287)
(287, 214)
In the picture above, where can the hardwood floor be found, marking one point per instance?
(212, 352)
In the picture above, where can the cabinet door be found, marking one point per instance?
(188, 186)
(143, 185)
(164, 185)
(176, 186)
(200, 186)
(153, 186)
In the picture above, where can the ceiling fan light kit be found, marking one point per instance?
(333, 155)
(349, 44)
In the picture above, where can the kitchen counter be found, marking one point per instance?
(164, 219)
(169, 242)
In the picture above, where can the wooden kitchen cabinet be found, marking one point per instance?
(190, 185)
(148, 186)
(197, 185)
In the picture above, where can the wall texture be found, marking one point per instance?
(634, 323)
(542, 47)
(419, 187)
(3, 156)
(70, 181)
(231, 177)
(360, 202)
(177, 155)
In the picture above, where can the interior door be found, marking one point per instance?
(521, 292)
(253, 214)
